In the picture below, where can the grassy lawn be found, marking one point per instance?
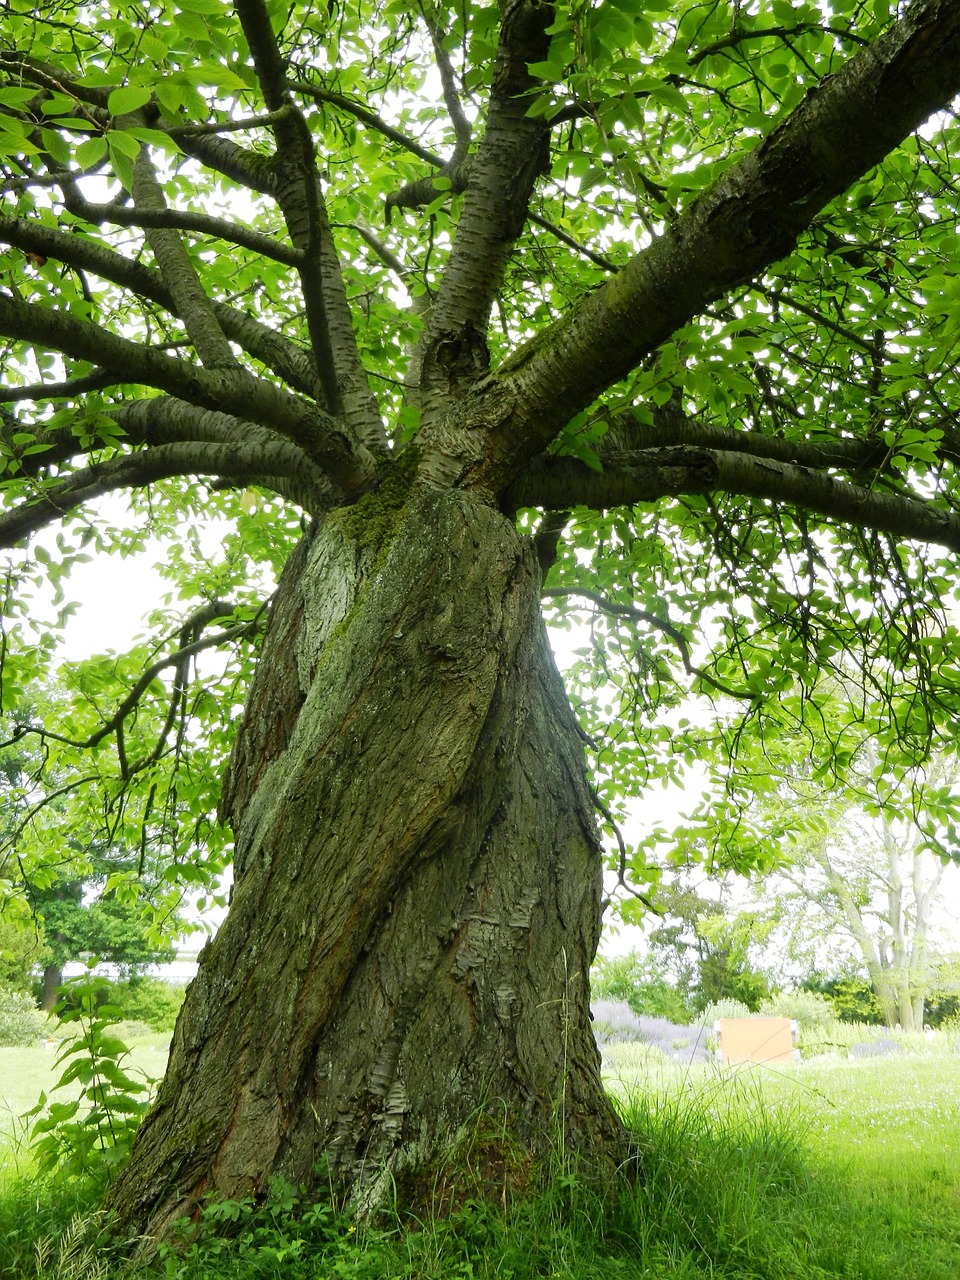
(829, 1170)
(886, 1130)
(874, 1114)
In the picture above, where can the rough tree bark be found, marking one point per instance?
(52, 981)
(417, 901)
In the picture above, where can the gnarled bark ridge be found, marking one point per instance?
(417, 901)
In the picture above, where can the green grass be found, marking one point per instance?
(827, 1171)
(884, 1131)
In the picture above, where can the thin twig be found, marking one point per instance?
(667, 629)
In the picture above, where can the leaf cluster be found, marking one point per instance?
(90, 1135)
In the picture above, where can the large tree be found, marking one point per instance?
(83, 895)
(869, 864)
(641, 307)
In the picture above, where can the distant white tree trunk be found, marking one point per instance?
(877, 881)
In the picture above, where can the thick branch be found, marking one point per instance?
(298, 193)
(234, 390)
(647, 476)
(512, 155)
(461, 124)
(629, 433)
(290, 177)
(454, 171)
(46, 76)
(285, 358)
(296, 189)
(163, 420)
(248, 168)
(134, 470)
(748, 219)
(192, 304)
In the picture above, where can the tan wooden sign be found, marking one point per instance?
(756, 1040)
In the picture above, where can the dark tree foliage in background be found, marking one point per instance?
(78, 921)
(417, 319)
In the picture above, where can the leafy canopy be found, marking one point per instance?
(674, 282)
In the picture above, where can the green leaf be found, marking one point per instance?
(129, 98)
(91, 152)
(121, 141)
(552, 72)
(56, 145)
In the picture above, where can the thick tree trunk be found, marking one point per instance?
(897, 994)
(52, 980)
(417, 898)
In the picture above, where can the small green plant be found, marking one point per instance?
(89, 1135)
(285, 1235)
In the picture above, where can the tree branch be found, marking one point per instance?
(248, 168)
(873, 349)
(179, 273)
(193, 626)
(648, 475)
(225, 126)
(277, 353)
(68, 390)
(462, 130)
(628, 433)
(750, 217)
(512, 155)
(569, 241)
(741, 36)
(160, 420)
(46, 76)
(225, 157)
(298, 193)
(455, 170)
(365, 116)
(235, 390)
(634, 614)
(185, 220)
(283, 472)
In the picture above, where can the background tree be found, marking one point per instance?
(79, 920)
(658, 303)
(709, 946)
(78, 898)
(639, 981)
(21, 946)
(855, 868)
